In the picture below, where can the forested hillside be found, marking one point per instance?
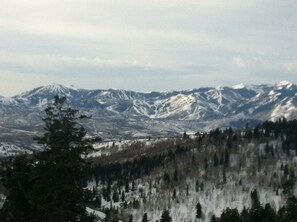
(221, 175)
(199, 177)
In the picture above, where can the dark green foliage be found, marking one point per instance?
(133, 169)
(224, 175)
(222, 160)
(185, 136)
(166, 216)
(213, 219)
(133, 186)
(227, 158)
(123, 196)
(245, 215)
(136, 204)
(280, 128)
(174, 194)
(193, 159)
(257, 213)
(248, 134)
(19, 180)
(215, 160)
(255, 200)
(144, 218)
(175, 176)
(269, 214)
(205, 163)
(290, 210)
(198, 211)
(197, 186)
(256, 133)
(127, 188)
(229, 143)
(98, 202)
(230, 215)
(115, 196)
(166, 178)
(51, 188)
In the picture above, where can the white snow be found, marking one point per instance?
(96, 213)
(239, 86)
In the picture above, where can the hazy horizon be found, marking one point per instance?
(142, 91)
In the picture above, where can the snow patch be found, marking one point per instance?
(239, 86)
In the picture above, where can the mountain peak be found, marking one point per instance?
(284, 83)
(54, 87)
(239, 86)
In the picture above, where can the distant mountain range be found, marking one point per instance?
(125, 114)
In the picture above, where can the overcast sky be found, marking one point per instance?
(146, 45)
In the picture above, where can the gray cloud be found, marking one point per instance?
(161, 45)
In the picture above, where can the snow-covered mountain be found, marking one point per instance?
(127, 113)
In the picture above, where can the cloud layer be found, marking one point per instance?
(146, 45)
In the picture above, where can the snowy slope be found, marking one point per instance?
(124, 113)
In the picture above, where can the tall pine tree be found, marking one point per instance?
(54, 190)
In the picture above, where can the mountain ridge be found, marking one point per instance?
(126, 113)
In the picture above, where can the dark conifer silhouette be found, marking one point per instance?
(52, 188)
(145, 218)
(166, 216)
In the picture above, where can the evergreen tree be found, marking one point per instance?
(133, 186)
(175, 176)
(197, 186)
(256, 212)
(269, 214)
(174, 194)
(227, 158)
(213, 219)
(229, 143)
(291, 209)
(224, 175)
(215, 160)
(127, 188)
(205, 163)
(144, 218)
(222, 160)
(255, 200)
(98, 202)
(230, 215)
(115, 196)
(56, 192)
(19, 181)
(166, 216)
(123, 196)
(198, 211)
(245, 215)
